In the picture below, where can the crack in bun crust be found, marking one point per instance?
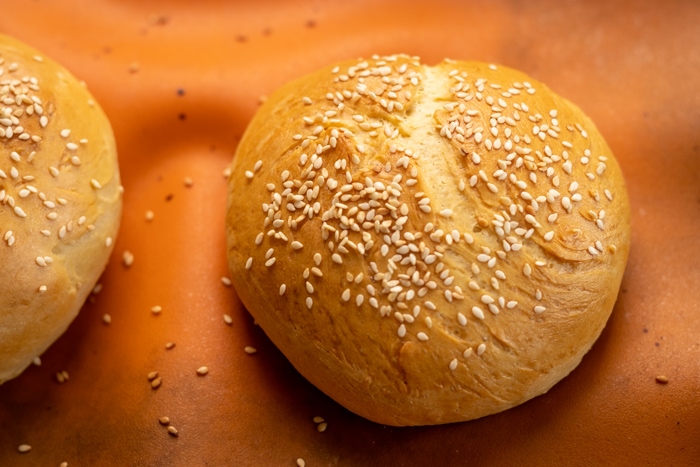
(426, 244)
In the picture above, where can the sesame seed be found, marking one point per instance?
(478, 312)
(155, 384)
(106, 318)
(152, 375)
(453, 364)
(164, 420)
(202, 370)
(249, 350)
(226, 281)
(24, 448)
(539, 309)
(481, 349)
(172, 431)
(228, 320)
(169, 345)
(422, 336)
(661, 379)
(301, 462)
(322, 427)
(156, 309)
(128, 259)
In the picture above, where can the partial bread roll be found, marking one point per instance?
(60, 201)
(426, 244)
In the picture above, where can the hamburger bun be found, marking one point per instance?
(426, 244)
(60, 201)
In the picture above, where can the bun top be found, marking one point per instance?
(60, 201)
(426, 244)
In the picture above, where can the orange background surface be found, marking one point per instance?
(634, 67)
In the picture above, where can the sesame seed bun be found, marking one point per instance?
(60, 201)
(426, 244)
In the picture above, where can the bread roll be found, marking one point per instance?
(426, 244)
(60, 201)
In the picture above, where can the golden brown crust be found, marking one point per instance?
(426, 244)
(60, 201)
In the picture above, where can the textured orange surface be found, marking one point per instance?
(180, 80)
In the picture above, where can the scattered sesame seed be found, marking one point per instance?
(202, 370)
(249, 350)
(164, 420)
(301, 462)
(152, 375)
(155, 384)
(228, 320)
(661, 379)
(24, 448)
(128, 258)
(226, 281)
(322, 427)
(172, 430)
